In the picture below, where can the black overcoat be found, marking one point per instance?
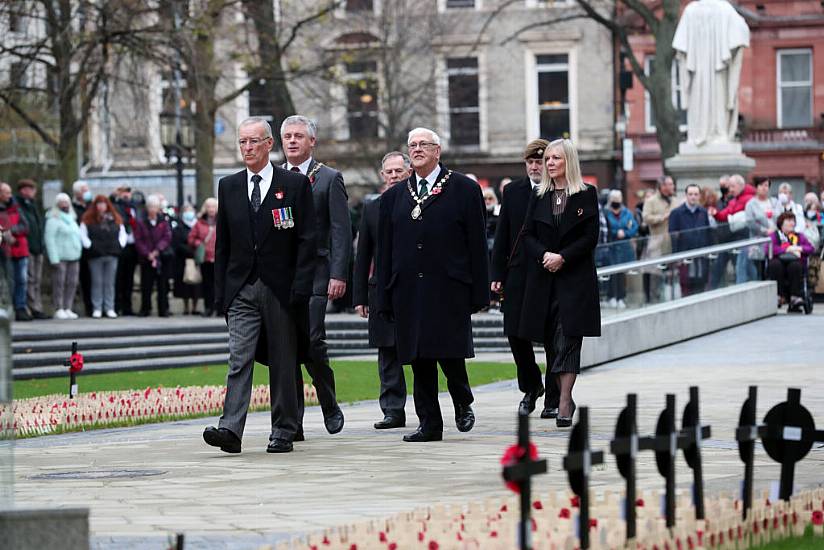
(433, 272)
(364, 284)
(508, 258)
(285, 257)
(576, 283)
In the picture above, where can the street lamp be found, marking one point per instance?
(178, 141)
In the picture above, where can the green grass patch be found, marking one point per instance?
(808, 542)
(354, 380)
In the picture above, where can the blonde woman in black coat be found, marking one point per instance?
(561, 303)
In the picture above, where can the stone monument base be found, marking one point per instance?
(706, 164)
(33, 529)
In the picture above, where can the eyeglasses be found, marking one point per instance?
(422, 145)
(254, 142)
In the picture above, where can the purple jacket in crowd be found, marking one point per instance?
(148, 237)
(780, 245)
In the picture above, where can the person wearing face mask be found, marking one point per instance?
(81, 199)
(622, 228)
(124, 284)
(813, 219)
(63, 246)
(790, 250)
(203, 234)
(181, 229)
(103, 237)
(493, 210)
(786, 203)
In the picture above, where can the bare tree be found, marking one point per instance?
(60, 53)
(625, 18)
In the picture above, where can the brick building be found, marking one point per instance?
(781, 98)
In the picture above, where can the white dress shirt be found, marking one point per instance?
(303, 166)
(267, 173)
(431, 179)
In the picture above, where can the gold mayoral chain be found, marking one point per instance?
(436, 190)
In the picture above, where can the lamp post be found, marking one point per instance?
(176, 137)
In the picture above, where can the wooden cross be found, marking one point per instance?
(746, 435)
(72, 374)
(788, 434)
(692, 434)
(578, 463)
(625, 449)
(521, 473)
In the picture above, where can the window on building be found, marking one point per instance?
(15, 20)
(677, 100)
(362, 99)
(553, 95)
(795, 88)
(359, 5)
(260, 100)
(460, 4)
(17, 75)
(464, 107)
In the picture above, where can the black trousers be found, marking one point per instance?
(124, 283)
(529, 373)
(426, 389)
(323, 378)
(393, 384)
(788, 275)
(151, 277)
(617, 286)
(86, 283)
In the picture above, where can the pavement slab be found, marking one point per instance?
(153, 481)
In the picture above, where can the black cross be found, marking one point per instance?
(625, 449)
(746, 435)
(72, 374)
(521, 473)
(788, 434)
(665, 444)
(692, 434)
(578, 463)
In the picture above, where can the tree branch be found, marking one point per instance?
(646, 13)
(545, 23)
(33, 124)
(315, 16)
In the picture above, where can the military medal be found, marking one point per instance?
(276, 218)
(436, 190)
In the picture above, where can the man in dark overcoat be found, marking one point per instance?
(392, 400)
(509, 278)
(432, 275)
(264, 265)
(334, 233)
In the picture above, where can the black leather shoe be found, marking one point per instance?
(39, 315)
(223, 438)
(566, 421)
(299, 436)
(549, 412)
(390, 422)
(334, 422)
(528, 402)
(464, 418)
(279, 446)
(22, 315)
(420, 436)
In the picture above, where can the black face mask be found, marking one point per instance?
(615, 205)
(724, 191)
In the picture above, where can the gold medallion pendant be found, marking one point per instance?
(416, 212)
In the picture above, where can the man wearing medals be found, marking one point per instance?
(432, 275)
(265, 252)
(509, 279)
(334, 236)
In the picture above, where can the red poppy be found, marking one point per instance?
(564, 513)
(511, 457)
(818, 517)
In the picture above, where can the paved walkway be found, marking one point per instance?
(145, 483)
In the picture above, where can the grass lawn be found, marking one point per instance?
(354, 380)
(807, 542)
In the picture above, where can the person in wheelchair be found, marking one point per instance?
(790, 251)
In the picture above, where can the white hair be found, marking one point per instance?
(267, 128)
(435, 137)
(739, 179)
(78, 185)
(616, 195)
(153, 200)
(310, 124)
(391, 154)
(785, 186)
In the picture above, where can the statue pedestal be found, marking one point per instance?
(706, 164)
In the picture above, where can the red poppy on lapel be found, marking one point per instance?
(279, 194)
(580, 211)
(311, 179)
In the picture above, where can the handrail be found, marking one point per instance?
(606, 271)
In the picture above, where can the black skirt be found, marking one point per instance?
(563, 353)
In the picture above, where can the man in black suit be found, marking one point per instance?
(394, 168)
(264, 264)
(509, 278)
(334, 250)
(432, 275)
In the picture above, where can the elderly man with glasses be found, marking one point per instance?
(432, 275)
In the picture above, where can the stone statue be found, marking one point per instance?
(709, 43)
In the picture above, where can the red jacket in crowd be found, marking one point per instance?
(14, 224)
(203, 232)
(736, 204)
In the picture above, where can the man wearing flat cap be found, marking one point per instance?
(509, 278)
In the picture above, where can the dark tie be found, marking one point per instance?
(422, 190)
(295, 169)
(256, 192)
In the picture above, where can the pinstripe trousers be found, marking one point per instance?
(253, 310)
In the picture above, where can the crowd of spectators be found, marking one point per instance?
(97, 243)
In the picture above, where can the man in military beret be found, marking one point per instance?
(509, 279)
